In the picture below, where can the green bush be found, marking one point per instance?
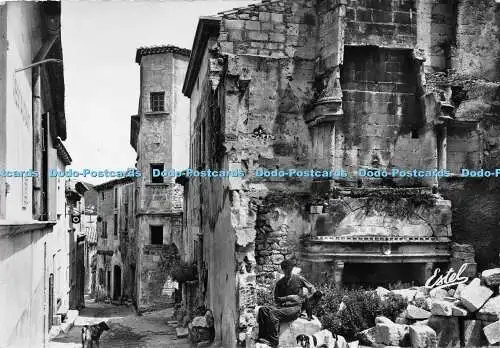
(360, 308)
(393, 305)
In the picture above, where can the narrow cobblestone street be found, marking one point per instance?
(127, 328)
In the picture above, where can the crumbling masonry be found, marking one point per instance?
(332, 84)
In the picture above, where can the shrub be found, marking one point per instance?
(393, 305)
(360, 308)
(183, 272)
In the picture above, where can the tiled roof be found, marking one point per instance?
(145, 51)
(109, 184)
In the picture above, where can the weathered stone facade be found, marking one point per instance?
(336, 85)
(35, 245)
(116, 234)
(160, 127)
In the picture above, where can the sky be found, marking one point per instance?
(99, 40)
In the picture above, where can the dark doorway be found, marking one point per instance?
(108, 284)
(382, 274)
(132, 281)
(117, 283)
(51, 299)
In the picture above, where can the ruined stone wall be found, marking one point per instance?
(180, 114)
(477, 40)
(127, 238)
(473, 88)
(268, 79)
(281, 221)
(151, 277)
(384, 23)
(380, 105)
(475, 206)
(274, 28)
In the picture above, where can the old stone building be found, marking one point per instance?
(345, 87)
(116, 235)
(76, 240)
(160, 136)
(33, 220)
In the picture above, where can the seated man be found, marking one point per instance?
(289, 297)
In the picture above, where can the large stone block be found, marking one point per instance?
(368, 337)
(458, 290)
(447, 330)
(473, 334)
(491, 310)
(382, 292)
(438, 293)
(491, 276)
(416, 313)
(408, 294)
(392, 334)
(422, 336)
(474, 295)
(459, 311)
(442, 308)
(492, 332)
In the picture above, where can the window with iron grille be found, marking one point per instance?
(157, 101)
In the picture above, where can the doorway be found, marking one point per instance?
(51, 300)
(117, 282)
(108, 285)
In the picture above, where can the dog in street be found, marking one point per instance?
(323, 339)
(92, 333)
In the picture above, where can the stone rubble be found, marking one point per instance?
(492, 332)
(491, 276)
(422, 336)
(475, 295)
(467, 315)
(491, 310)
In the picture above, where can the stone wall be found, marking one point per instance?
(274, 28)
(273, 64)
(380, 105)
(477, 40)
(281, 221)
(151, 279)
(162, 70)
(385, 23)
(475, 206)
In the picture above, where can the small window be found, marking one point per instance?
(101, 276)
(157, 100)
(102, 195)
(104, 229)
(156, 170)
(115, 224)
(116, 196)
(156, 234)
(125, 208)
